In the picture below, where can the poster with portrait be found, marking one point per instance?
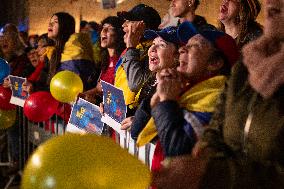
(18, 95)
(85, 118)
(108, 4)
(114, 106)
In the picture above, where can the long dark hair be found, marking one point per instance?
(116, 22)
(248, 12)
(66, 29)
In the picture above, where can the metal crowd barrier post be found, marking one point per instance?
(32, 134)
(143, 153)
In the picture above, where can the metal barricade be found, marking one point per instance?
(32, 134)
(29, 136)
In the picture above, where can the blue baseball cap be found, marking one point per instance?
(220, 40)
(185, 31)
(168, 34)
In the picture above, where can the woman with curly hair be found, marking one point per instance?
(238, 19)
(112, 45)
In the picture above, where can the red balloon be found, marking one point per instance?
(5, 96)
(40, 106)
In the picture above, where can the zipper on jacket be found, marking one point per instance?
(248, 123)
(246, 132)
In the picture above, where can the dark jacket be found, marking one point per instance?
(141, 118)
(181, 123)
(177, 127)
(143, 112)
(254, 30)
(137, 74)
(248, 132)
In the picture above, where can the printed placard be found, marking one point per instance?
(108, 4)
(85, 117)
(18, 95)
(114, 106)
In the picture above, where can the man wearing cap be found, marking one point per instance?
(186, 97)
(138, 19)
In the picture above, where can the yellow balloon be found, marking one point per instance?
(74, 161)
(7, 118)
(65, 86)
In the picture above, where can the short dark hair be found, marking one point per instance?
(196, 4)
(94, 25)
(83, 23)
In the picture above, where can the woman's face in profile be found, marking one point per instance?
(229, 10)
(53, 27)
(161, 54)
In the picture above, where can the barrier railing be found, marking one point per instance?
(31, 135)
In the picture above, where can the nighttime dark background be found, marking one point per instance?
(13, 11)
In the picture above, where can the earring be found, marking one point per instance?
(189, 3)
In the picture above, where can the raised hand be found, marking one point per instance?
(135, 33)
(169, 84)
(27, 86)
(126, 123)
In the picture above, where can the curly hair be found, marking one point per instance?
(246, 19)
(115, 22)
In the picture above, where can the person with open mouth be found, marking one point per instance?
(238, 19)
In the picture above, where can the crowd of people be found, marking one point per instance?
(210, 98)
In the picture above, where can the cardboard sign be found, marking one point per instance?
(85, 117)
(18, 95)
(114, 106)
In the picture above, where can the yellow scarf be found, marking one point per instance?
(200, 98)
